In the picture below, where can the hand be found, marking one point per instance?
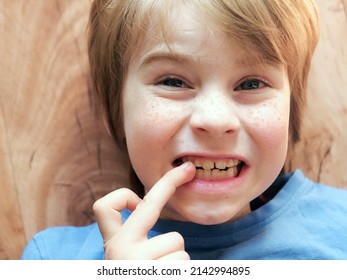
(129, 240)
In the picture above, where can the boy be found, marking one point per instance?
(205, 96)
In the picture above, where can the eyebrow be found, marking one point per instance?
(160, 56)
(183, 59)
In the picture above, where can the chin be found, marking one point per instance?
(209, 217)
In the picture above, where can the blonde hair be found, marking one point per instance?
(280, 31)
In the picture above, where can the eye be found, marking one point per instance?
(173, 82)
(251, 84)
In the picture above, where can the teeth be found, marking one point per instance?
(200, 173)
(207, 174)
(216, 173)
(233, 162)
(208, 165)
(214, 169)
(197, 162)
(221, 164)
(232, 172)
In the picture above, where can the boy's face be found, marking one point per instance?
(206, 101)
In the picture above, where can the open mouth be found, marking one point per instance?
(213, 168)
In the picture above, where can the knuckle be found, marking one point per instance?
(184, 256)
(98, 205)
(177, 239)
(122, 253)
(123, 192)
(102, 203)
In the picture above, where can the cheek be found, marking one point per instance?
(268, 129)
(149, 120)
(269, 126)
(148, 130)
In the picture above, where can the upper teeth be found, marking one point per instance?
(208, 164)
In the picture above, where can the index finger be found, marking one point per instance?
(148, 210)
(108, 209)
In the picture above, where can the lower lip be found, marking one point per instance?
(219, 186)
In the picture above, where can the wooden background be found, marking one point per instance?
(55, 158)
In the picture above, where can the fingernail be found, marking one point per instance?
(187, 165)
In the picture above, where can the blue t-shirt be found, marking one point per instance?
(305, 220)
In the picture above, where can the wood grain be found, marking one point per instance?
(56, 159)
(322, 153)
(10, 218)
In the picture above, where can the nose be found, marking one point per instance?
(215, 114)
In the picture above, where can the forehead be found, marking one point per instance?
(170, 30)
(187, 29)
